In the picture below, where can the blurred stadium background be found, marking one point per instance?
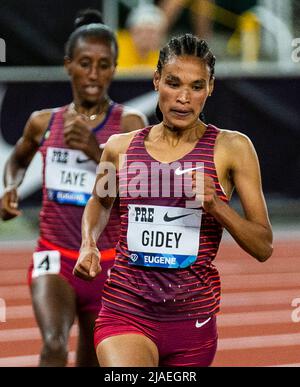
(257, 45)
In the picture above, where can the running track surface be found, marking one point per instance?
(257, 323)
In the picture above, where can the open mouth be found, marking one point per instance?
(92, 89)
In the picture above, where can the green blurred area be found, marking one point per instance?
(23, 228)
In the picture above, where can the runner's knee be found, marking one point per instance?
(55, 345)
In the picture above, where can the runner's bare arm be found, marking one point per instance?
(97, 211)
(131, 122)
(18, 162)
(253, 231)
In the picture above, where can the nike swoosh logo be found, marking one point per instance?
(199, 325)
(82, 161)
(179, 171)
(168, 218)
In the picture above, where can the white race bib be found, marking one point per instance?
(46, 262)
(165, 237)
(69, 176)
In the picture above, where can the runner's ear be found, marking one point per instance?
(156, 80)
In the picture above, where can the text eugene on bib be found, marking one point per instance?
(166, 237)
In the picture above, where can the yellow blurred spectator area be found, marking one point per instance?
(140, 41)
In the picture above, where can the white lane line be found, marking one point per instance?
(282, 264)
(254, 318)
(19, 312)
(224, 319)
(254, 281)
(10, 335)
(9, 293)
(20, 361)
(280, 233)
(13, 277)
(224, 345)
(275, 297)
(28, 361)
(249, 342)
(232, 343)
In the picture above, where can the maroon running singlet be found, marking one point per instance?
(163, 284)
(162, 294)
(68, 179)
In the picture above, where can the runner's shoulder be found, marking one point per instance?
(119, 143)
(39, 119)
(233, 140)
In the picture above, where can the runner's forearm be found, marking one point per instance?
(18, 162)
(94, 221)
(254, 238)
(14, 173)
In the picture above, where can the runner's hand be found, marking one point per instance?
(78, 135)
(205, 190)
(88, 264)
(9, 205)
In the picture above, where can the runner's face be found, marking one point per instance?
(183, 85)
(91, 70)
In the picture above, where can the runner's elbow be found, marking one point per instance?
(265, 253)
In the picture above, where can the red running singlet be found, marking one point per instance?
(64, 174)
(164, 294)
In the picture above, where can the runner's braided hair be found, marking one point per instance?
(187, 44)
(89, 25)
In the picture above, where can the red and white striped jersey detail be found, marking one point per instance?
(60, 224)
(159, 293)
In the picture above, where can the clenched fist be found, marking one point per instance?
(204, 188)
(78, 135)
(9, 205)
(88, 263)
